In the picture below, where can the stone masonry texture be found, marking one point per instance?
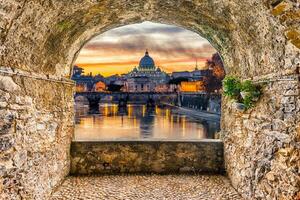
(146, 157)
(35, 135)
(147, 187)
(257, 39)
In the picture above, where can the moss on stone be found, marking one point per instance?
(296, 43)
(294, 36)
(280, 8)
(93, 12)
(64, 25)
(290, 16)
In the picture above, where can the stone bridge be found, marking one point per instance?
(40, 40)
(122, 98)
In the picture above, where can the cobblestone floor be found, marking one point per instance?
(147, 187)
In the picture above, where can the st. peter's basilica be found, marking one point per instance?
(146, 77)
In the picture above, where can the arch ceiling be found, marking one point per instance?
(44, 36)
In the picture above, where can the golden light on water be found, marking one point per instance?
(183, 126)
(200, 132)
(157, 110)
(172, 122)
(106, 111)
(168, 113)
(144, 110)
(115, 109)
(135, 124)
(138, 120)
(129, 107)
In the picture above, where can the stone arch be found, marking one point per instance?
(220, 22)
(257, 40)
(107, 98)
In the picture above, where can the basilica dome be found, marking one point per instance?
(146, 63)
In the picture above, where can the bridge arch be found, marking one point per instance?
(39, 41)
(81, 99)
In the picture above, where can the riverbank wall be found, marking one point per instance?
(201, 101)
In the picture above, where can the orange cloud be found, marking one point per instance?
(117, 51)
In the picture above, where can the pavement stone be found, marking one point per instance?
(146, 187)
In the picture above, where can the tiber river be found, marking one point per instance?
(137, 122)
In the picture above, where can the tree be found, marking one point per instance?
(214, 82)
(177, 81)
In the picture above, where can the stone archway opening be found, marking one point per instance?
(187, 72)
(257, 40)
(178, 111)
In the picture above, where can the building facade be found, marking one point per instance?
(145, 77)
(192, 86)
(99, 87)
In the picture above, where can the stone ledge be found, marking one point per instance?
(151, 141)
(8, 71)
(163, 157)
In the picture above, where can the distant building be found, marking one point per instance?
(99, 87)
(120, 82)
(83, 83)
(200, 74)
(162, 88)
(112, 79)
(149, 78)
(182, 74)
(145, 77)
(192, 86)
(80, 87)
(138, 84)
(166, 88)
(173, 88)
(193, 75)
(77, 72)
(99, 77)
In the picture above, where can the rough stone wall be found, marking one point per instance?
(262, 145)
(146, 157)
(257, 39)
(36, 123)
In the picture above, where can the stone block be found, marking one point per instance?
(7, 84)
(40, 126)
(279, 125)
(292, 92)
(6, 122)
(6, 143)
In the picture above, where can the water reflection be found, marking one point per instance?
(137, 122)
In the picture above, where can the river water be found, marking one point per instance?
(137, 122)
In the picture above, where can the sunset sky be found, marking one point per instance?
(118, 50)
